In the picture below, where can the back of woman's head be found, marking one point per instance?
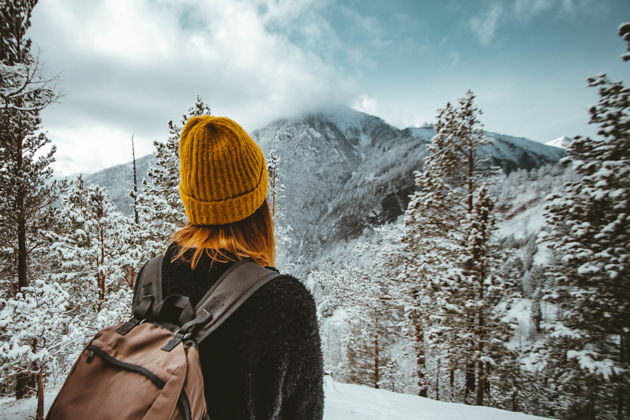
(223, 185)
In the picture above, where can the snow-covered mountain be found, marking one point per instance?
(343, 169)
(561, 142)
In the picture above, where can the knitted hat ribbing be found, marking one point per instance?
(223, 173)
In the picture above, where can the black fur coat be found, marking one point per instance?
(265, 361)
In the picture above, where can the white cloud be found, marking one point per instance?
(365, 103)
(485, 25)
(524, 9)
(130, 66)
(454, 56)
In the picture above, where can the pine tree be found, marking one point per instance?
(450, 224)
(90, 246)
(363, 297)
(161, 211)
(132, 235)
(276, 194)
(590, 339)
(33, 324)
(363, 293)
(27, 190)
(133, 194)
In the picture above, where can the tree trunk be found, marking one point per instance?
(101, 292)
(623, 389)
(420, 361)
(100, 276)
(22, 254)
(25, 382)
(420, 356)
(470, 381)
(131, 279)
(136, 217)
(514, 402)
(40, 396)
(437, 380)
(481, 371)
(481, 385)
(471, 180)
(376, 357)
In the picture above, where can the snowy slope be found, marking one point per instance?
(343, 402)
(118, 179)
(561, 142)
(350, 402)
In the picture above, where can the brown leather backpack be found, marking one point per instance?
(148, 367)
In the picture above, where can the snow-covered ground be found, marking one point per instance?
(356, 402)
(344, 402)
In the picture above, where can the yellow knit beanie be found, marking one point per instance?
(223, 173)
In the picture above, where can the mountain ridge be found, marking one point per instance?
(344, 170)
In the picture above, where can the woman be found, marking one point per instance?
(265, 361)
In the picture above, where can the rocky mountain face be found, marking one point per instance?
(343, 170)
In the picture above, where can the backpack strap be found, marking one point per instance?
(229, 292)
(149, 295)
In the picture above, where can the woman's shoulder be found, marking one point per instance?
(283, 304)
(285, 292)
(281, 314)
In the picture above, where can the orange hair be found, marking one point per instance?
(251, 237)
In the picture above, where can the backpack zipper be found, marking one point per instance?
(127, 366)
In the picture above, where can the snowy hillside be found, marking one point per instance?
(561, 142)
(343, 402)
(118, 179)
(357, 402)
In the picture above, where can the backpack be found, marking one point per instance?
(148, 367)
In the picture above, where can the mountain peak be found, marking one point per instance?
(562, 142)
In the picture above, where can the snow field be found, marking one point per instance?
(343, 402)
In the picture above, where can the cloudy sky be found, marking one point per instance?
(128, 67)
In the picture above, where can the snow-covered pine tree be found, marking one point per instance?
(159, 205)
(275, 187)
(450, 222)
(429, 237)
(324, 285)
(589, 229)
(133, 194)
(388, 265)
(433, 239)
(90, 247)
(132, 235)
(26, 186)
(33, 327)
(356, 296)
(362, 296)
(276, 194)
